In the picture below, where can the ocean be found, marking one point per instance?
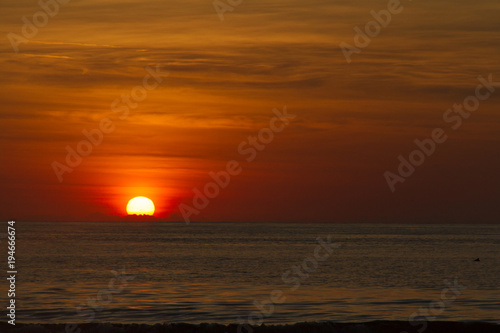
(146, 272)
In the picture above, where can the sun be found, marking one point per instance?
(140, 206)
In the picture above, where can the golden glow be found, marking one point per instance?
(140, 206)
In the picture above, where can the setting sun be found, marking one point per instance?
(140, 206)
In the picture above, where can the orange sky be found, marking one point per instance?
(225, 78)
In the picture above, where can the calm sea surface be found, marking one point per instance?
(214, 272)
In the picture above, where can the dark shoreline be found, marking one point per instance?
(368, 327)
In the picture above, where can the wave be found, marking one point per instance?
(316, 327)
